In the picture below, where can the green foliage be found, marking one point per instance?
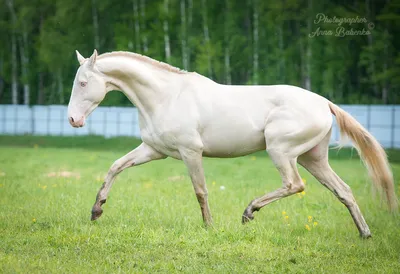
(350, 69)
(152, 221)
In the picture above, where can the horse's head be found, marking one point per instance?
(88, 90)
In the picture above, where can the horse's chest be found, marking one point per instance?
(162, 141)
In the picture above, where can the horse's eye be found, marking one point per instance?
(83, 84)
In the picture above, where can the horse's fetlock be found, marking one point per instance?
(301, 187)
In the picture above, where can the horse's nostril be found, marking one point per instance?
(72, 119)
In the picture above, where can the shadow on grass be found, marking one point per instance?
(125, 144)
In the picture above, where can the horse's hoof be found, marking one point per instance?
(96, 213)
(247, 217)
(366, 236)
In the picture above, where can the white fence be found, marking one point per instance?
(382, 121)
(52, 120)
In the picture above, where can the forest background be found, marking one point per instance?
(347, 51)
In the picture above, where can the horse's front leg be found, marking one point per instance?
(140, 155)
(193, 162)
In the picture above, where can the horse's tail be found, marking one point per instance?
(371, 152)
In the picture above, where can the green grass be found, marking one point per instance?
(152, 221)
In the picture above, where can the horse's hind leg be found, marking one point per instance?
(316, 162)
(291, 180)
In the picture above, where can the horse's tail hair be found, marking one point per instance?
(371, 152)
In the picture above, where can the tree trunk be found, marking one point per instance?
(227, 56)
(24, 66)
(1, 76)
(14, 65)
(183, 35)
(137, 25)
(206, 35)
(189, 28)
(60, 86)
(40, 98)
(167, 46)
(385, 89)
(228, 80)
(143, 23)
(370, 43)
(307, 79)
(255, 42)
(282, 64)
(95, 25)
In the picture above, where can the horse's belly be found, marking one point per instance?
(232, 144)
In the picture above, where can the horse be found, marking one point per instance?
(187, 116)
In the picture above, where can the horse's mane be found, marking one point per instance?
(144, 59)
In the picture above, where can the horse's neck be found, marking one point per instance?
(144, 85)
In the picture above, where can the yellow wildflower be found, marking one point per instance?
(315, 224)
(304, 180)
(308, 227)
(309, 219)
(34, 220)
(286, 217)
(283, 213)
(213, 183)
(303, 193)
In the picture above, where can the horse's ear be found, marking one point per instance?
(80, 58)
(92, 59)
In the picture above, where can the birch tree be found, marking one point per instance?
(370, 44)
(183, 35)
(188, 31)
(255, 42)
(227, 26)
(206, 35)
(143, 23)
(60, 88)
(1, 75)
(14, 65)
(95, 25)
(24, 48)
(307, 72)
(137, 25)
(167, 46)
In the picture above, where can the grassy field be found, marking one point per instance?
(152, 221)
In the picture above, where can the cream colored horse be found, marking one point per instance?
(187, 116)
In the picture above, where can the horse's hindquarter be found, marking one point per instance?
(298, 122)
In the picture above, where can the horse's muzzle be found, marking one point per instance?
(77, 123)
